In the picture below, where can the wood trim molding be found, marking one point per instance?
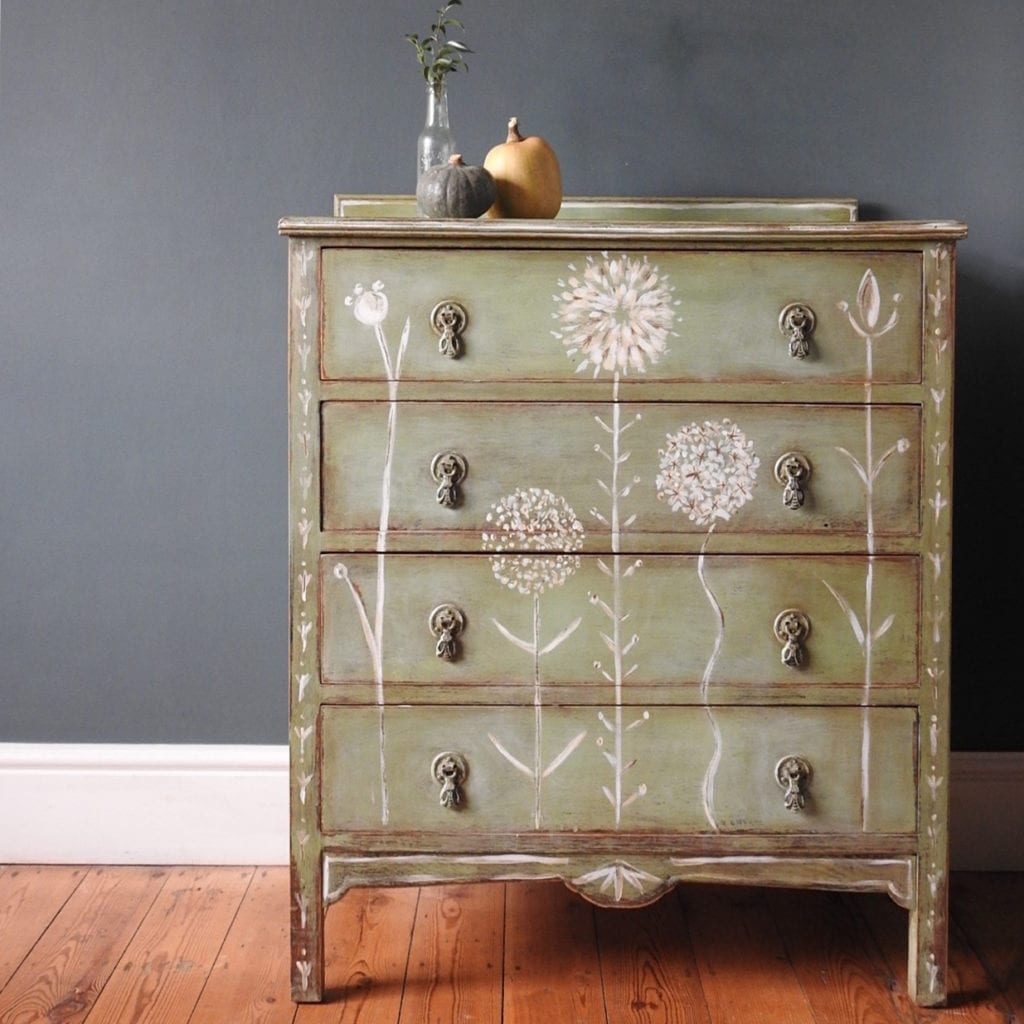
(188, 804)
(143, 804)
(341, 231)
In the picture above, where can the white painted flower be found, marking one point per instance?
(533, 520)
(616, 316)
(368, 307)
(869, 307)
(707, 471)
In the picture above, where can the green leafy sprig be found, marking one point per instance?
(438, 55)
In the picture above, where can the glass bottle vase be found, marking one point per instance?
(436, 142)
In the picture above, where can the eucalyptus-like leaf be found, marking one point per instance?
(523, 645)
(566, 751)
(561, 638)
(511, 758)
(461, 47)
(884, 627)
(855, 625)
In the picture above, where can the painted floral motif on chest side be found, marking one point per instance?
(534, 536)
(708, 471)
(937, 335)
(615, 316)
(370, 308)
(865, 317)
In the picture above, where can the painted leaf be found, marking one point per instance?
(608, 793)
(512, 638)
(511, 758)
(884, 627)
(561, 638)
(564, 755)
(856, 464)
(868, 299)
(357, 598)
(402, 345)
(855, 625)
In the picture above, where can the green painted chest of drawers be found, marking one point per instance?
(620, 554)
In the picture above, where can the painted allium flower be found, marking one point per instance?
(368, 307)
(533, 519)
(617, 316)
(707, 471)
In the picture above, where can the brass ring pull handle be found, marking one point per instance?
(796, 321)
(793, 774)
(792, 628)
(792, 470)
(449, 320)
(448, 470)
(449, 770)
(446, 623)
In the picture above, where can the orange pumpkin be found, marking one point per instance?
(527, 176)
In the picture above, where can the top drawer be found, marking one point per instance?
(561, 316)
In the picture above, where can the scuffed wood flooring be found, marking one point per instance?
(210, 946)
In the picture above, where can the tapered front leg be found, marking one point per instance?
(929, 938)
(307, 960)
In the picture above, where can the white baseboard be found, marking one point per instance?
(136, 804)
(143, 804)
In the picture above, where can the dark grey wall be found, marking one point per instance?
(148, 149)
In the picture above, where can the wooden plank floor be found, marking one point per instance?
(209, 946)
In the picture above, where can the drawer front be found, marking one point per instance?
(531, 621)
(698, 316)
(667, 753)
(679, 469)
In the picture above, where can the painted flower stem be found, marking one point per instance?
(869, 583)
(534, 537)
(371, 308)
(708, 787)
(537, 714)
(866, 325)
(616, 544)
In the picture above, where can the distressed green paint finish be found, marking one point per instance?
(929, 920)
(672, 745)
(670, 616)
(633, 879)
(722, 330)
(681, 786)
(780, 211)
(304, 644)
(552, 445)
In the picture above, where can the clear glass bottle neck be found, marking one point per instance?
(437, 106)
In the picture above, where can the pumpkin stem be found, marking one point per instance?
(514, 135)
(456, 160)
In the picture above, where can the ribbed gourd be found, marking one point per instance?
(455, 190)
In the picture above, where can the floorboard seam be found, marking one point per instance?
(86, 871)
(504, 942)
(600, 960)
(224, 939)
(408, 954)
(131, 938)
(1000, 996)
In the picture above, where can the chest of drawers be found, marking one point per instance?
(620, 555)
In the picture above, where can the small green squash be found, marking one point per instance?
(455, 190)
